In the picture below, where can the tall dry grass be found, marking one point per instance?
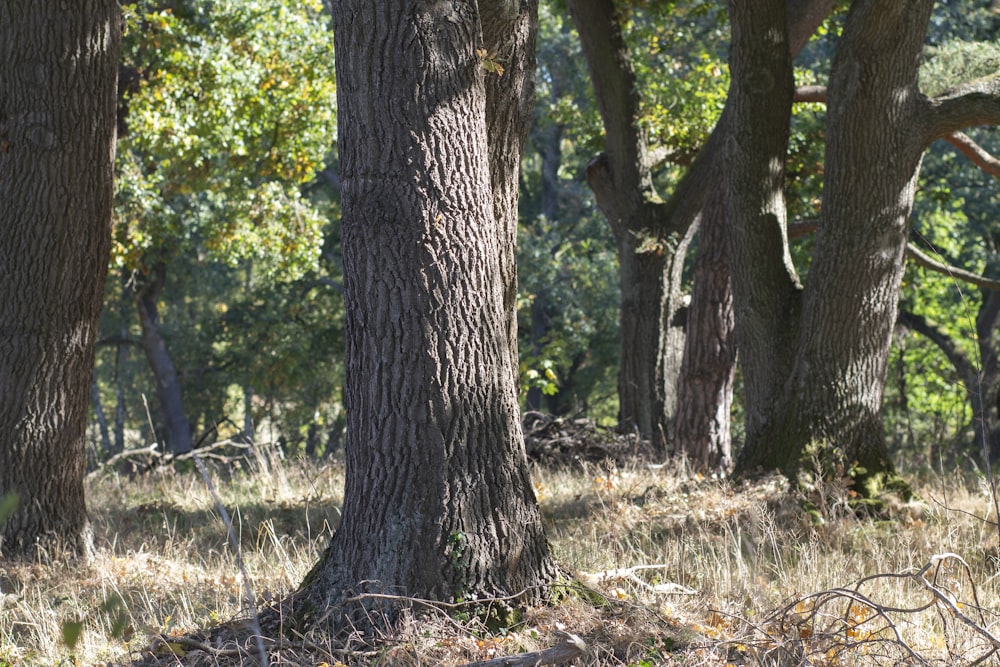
(742, 575)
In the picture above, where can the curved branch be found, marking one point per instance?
(976, 153)
(943, 341)
(973, 103)
(800, 228)
(927, 262)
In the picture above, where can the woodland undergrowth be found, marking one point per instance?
(673, 568)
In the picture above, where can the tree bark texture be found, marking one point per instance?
(833, 396)
(763, 279)
(705, 387)
(438, 502)
(58, 79)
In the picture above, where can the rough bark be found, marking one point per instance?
(831, 405)
(764, 281)
(705, 386)
(168, 385)
(58, 78)
(438, 503)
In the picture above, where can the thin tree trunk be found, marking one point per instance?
(705, 387)
(168, 386)
(58, 78)
(100, 416)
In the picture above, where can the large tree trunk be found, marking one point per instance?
(830, 407)
(168, 386)
(438, 503)
(58, 78)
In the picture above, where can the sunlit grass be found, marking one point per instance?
(737, 553)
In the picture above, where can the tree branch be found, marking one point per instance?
(927, 262)
(810, 94)
(800, 228)
(976, 153)
(944, 343)
(684, 205)
(973, 103)
(569, 648)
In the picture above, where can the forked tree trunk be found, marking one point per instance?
(438, 503)
(58, 79)
(878, 125)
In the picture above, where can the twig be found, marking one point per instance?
(569, 648)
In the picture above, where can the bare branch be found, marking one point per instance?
(569, 648)
(976, 153)
(927, 262)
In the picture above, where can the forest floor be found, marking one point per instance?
(683, 569)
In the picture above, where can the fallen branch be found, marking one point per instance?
(152, 454)
(569, 648)
(844, 622)
(594, 579)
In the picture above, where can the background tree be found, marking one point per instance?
(231, 113)
(438, 503)
(567, 268)
(58, 96)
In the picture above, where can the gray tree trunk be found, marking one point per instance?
(650, 266)
(58, 95)
(438, 503)
(168, 385)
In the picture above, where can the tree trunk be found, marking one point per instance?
(58, 78)
(438, 503)
(763, 279)
(705, 386)
(830, 407)
(650, 265)
(168, 385)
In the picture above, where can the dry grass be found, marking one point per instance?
(767, 586)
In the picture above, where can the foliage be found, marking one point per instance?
(568, 292)
(233, 109)
(228, 111)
